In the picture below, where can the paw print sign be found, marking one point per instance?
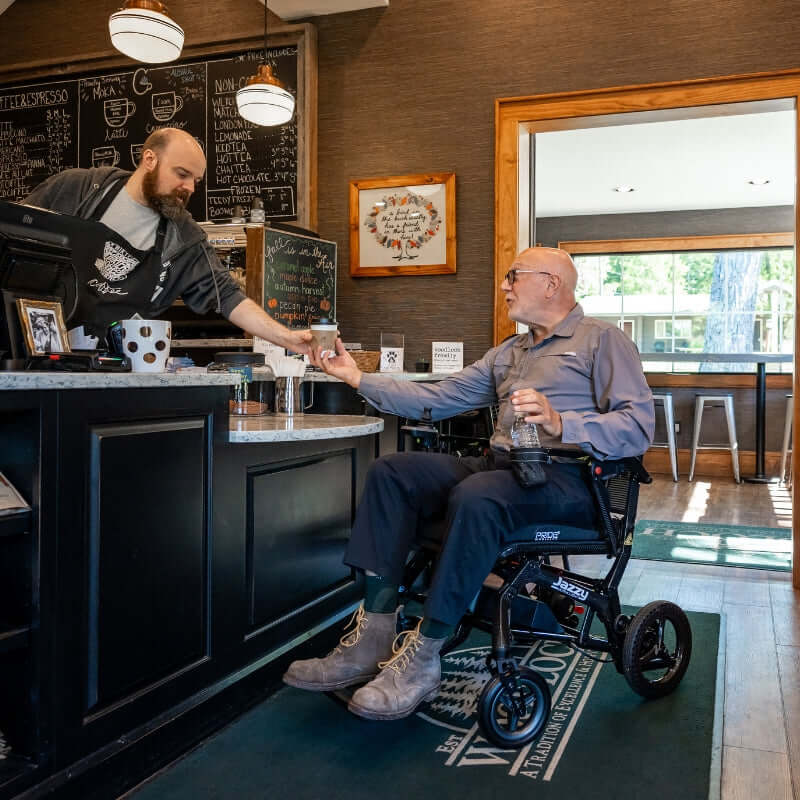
(391, 359)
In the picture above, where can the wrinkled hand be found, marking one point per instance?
(300, 342)
(340, 365)
(537, 408)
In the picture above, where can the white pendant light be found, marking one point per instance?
(143, 30)
(264, 100)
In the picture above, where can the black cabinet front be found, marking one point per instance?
(134, 559)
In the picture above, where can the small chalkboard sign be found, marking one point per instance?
(299, 277)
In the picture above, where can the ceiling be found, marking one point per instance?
(672, 165)
(297, 9)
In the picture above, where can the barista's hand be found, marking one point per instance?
(537, 409)
(340, 365)
(299, 341)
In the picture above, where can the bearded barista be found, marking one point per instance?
(148, 250)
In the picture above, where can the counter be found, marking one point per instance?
(302, 427)
(171, 564)
(112, 380)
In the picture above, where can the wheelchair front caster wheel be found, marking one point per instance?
(512, 719)
(657, 649)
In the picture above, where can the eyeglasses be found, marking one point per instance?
(511, 275)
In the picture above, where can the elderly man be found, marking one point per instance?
(149, 249)
(579, 379)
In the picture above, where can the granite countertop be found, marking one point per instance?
(321, 377)
(301, 427)
(112, 380)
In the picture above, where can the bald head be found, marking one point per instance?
(540, 289)
(555, 261)
(161, 140)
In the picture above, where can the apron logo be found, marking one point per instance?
(102, 287)
(117, 263)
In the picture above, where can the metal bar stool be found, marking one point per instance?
(718, 401)
(665, 398)
(787, 438)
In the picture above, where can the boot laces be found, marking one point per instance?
(351, 638)
(404, 647)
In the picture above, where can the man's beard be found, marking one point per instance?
(170, 205)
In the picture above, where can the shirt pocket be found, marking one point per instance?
(504, 372)
(575, 361)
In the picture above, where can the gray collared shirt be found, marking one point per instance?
(589, 370)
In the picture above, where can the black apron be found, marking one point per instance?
(119, 280)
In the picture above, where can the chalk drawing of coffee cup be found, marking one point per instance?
(136, 154)
(106, 156)
(117, 111)
(166, 105)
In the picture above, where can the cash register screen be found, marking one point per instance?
(36, 264)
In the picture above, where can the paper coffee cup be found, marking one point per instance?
(324, 336)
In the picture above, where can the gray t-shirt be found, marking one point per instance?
(131, 220)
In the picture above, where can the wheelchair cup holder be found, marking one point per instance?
(526, 464)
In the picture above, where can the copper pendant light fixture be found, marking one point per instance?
(143, 30)
(263, 100)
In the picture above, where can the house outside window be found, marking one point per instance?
(695, 301)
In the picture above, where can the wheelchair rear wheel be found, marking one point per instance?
(514, 718)
(657, 649)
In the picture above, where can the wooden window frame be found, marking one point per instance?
(516, 116)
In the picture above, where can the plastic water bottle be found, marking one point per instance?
(527, 455)
(524, 434)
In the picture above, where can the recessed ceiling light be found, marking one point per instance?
(624, 189)
(758, 181)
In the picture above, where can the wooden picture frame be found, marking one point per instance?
(43, 326)
(403, 225)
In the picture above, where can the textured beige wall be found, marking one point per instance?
(411, 88)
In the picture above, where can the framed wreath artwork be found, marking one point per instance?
(404, 225)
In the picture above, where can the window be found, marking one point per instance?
(667, 328)
(674, 297)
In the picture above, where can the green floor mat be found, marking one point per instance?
(722, 545)
(602, 740)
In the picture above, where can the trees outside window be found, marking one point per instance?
(724, 301)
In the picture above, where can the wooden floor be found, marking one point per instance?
(761, 728)
(714, 500)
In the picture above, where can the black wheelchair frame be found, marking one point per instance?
(526, 598)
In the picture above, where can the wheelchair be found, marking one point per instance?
(526, 599)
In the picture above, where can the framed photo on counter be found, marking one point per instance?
(43, 326)
(403, 225)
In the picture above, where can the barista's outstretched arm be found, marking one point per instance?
(250, 317)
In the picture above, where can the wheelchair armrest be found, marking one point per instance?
(612, 468)
(604, 469)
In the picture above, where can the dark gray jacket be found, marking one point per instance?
(197, 276)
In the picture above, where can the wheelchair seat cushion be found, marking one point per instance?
(430, 535)
(555, 533)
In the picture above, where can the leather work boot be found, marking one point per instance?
(412, 675)
(354, 660)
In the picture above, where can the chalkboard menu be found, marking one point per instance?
(38, 135)
(299, 277)
(103, 120)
